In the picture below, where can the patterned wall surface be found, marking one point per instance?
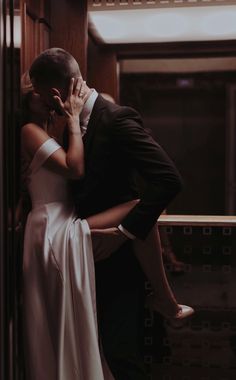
(203, 348)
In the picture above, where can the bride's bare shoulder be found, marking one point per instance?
(32, 129)
(32, 136)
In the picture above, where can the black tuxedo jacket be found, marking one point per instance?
(116, 147)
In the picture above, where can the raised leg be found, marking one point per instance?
(149, 255)
(147, 252)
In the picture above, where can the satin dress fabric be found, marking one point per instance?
(59, 295)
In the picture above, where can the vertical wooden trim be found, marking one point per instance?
(103, 70)
(2, 303)
(9, 259)
(69, 23)
(30, 37)
(44, 37)
(230, 152)
(23, 38)
(35, 31)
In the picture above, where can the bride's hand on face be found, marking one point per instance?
(77, 96)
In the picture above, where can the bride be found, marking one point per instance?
(61, 334)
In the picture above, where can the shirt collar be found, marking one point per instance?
(88, 107)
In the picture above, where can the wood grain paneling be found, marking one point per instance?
(44, 36)
(33, 6)
(45, 10)
(35, 30)
(103, 70)
(69, 28)
(29, 39)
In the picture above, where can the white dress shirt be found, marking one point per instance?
(87, 110)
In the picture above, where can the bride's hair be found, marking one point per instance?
(26, 84)
(26, 95)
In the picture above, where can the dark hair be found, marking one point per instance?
(24, 114)
(54, 67)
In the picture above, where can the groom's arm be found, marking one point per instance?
(163, 182)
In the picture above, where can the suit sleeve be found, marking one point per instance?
(163, 182)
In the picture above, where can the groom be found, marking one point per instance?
(116, 148)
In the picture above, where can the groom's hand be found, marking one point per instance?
(106, 241)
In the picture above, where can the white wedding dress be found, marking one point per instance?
(61, 335)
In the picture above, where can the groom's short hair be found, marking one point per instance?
(54, 67)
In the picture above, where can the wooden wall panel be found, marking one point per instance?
(103, 70)
(33, 6)
(44, 36)
(230, 150)
(29, 38)
(69, 29)
(10, 254)
(35, 30)
(45, 10)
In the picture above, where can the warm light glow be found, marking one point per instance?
(165, 24)
(16, 31)
(220, 23)
(110, 26)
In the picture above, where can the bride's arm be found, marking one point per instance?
(70, 164)
(111, 217)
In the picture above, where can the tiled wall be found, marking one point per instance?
(203, 348)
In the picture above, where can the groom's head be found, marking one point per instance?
(53, 68)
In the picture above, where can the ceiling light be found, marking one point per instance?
(109, 27)
(220, 23)
(164, 24)
(167, 25)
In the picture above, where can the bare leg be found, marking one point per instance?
(148, 253)
(111, 217)
(168, 254)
